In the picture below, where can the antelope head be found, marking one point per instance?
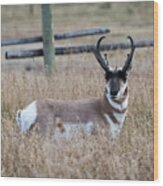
(116, 78)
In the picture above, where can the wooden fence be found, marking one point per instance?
(13, 54)
(67, 35)
(19, 54)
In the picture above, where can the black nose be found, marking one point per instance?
(114, 92)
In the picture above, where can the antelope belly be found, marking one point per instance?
(73, 129)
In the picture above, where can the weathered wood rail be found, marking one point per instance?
(13, 54)
(67, 35)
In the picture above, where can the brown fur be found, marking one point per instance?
(53, 113)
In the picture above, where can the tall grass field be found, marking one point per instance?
(76, 77)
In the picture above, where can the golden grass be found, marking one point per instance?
(78, 77)
(95, 157)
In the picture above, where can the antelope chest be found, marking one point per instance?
(115, 127)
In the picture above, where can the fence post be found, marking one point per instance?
(48, 40)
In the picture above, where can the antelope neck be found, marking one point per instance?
(116, 108)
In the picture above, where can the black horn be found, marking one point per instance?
(102, 61)
(127, 65)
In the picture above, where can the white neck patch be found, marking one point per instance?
(114, 127)
(120, 117)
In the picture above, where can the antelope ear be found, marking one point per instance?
(129, 69)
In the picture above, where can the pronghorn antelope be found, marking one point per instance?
(64, 116)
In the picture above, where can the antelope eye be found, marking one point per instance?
(108, 76)
(122, 75)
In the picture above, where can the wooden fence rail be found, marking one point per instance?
(12, 54)
(67, 35)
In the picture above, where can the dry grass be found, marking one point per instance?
(130, 157)
(78, 77)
